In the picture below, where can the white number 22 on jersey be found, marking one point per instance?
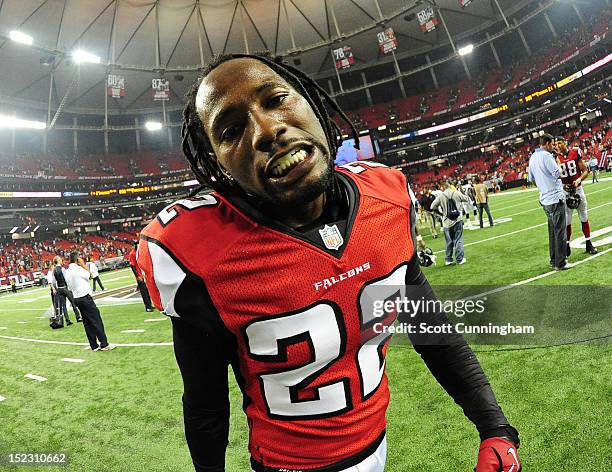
(169, 213)
(321, 327)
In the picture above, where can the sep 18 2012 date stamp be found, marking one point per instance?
(31, 458)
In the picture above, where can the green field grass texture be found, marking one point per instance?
(121, 410)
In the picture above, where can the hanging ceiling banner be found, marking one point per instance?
(464, 3)
(427, 19)
(343, 57)
(160, 89)
(387, 42)
(115, 86)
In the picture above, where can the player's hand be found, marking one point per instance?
(498, 455)
(577, 182)
(421, 244)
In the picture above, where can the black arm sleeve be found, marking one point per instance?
(203, 352)
(454, 364)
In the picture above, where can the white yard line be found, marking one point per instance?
(70, 359)
(35, 377)
(120, 277)
(2, 398)
(28, 309)
(528, 201)
(540, 208)
(29, 292)
(541, 276)
(69, 343)
(151, 320)
(441, 251)
(117, 301)
(133, 331)
(506, 287)
(534, 189)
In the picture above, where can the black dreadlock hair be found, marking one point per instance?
(198, 149)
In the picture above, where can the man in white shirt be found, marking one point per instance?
(77, 277)
(93, 269)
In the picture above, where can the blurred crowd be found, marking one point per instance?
(29, 256)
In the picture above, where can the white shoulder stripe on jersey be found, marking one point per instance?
(168, 276)
(411, 193)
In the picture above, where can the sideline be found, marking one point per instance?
(503, 235)
(539, 207)
(533, 189)
(499, 289)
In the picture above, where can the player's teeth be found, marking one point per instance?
(287, 161)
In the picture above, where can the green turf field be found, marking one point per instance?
(121, 410)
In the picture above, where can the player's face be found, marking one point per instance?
(264, 133)
(561, 147)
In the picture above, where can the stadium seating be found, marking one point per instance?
(523, 71)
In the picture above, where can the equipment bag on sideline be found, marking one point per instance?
(56, 321)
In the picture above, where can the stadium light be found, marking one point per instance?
(83, 56)
(12, 122)
(20, 37)
(465, 50)
(153, 125)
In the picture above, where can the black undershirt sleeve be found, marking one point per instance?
(454, 364)
(203, 352)
(451, 361)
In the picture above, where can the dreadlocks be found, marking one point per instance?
(198, 149)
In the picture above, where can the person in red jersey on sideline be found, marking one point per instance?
(142, 287)
(270, 274)
(573, 172)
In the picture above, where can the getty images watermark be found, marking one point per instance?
(510, 315)
(421, 316)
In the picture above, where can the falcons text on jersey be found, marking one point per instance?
(311, 369)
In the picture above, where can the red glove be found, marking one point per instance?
(497, 455)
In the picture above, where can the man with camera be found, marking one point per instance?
(61, 292)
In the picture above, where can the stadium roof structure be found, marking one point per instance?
(143, 39)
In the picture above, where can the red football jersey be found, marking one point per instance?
(131, 257)
(570, 171)
(313, 369)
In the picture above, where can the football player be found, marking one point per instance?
(573, 172)
(467, 189)
(269, 274)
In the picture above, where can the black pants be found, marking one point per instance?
(60, 299)
(557, 235)
(144, 293)
(97, 279)
(92, 322)
(485, 207)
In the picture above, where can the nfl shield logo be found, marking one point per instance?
(331, 237)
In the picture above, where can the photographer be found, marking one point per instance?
(58, 281)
